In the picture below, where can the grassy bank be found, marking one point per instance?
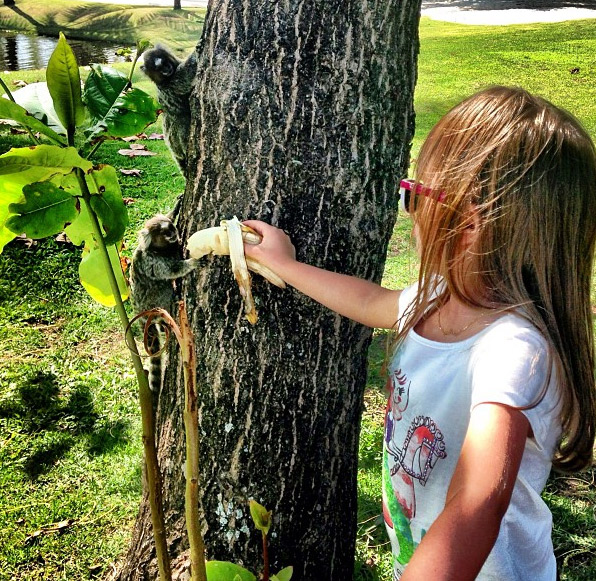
(180, 29)
(69, 430)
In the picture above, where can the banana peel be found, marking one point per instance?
(228, 239)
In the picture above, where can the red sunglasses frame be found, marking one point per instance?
(407, 187)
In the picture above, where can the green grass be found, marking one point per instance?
(69, 429)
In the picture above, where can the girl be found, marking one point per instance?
(492, 375)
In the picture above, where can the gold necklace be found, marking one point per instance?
(451, 333)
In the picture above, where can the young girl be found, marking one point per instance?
(492, 376)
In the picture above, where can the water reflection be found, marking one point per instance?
(20, 52)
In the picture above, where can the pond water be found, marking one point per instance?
(20, 52)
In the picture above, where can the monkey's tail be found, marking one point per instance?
(153, 347)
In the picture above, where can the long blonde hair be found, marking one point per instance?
(528, 169)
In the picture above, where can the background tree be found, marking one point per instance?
(302, 117)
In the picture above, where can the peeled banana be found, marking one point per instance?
(228, 239)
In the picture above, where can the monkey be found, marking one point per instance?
(174, 80)
(156, 263)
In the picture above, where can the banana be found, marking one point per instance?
(228, 239)
(239, 267)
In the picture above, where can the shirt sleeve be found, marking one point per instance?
(511, 365)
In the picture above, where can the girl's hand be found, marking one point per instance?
(275, 250)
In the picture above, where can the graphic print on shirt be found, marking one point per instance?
(406, 463)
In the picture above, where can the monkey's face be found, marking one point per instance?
(162, 232)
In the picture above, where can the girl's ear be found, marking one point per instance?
(472, 228)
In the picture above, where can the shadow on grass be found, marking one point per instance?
(55, 421)
(571, 501)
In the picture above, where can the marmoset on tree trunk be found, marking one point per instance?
(156, 263)
(174, 80)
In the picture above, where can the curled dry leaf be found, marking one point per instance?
(131, 172)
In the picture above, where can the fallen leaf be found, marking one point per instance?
(28, 242)
(128, 201)
(59, 527)
(155, 136)
(63, 238)
(19, 83)
(135, 152)
(131, 172)
(138, 146)
(125, 263)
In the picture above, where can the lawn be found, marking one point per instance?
(69, 425)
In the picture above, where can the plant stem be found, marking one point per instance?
(265, 558)
(145, 400)
(191, 425)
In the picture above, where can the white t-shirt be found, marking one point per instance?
(434, 387)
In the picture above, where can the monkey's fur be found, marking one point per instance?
(174, 80)
(156, 263)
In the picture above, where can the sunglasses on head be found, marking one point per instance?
(408, 189)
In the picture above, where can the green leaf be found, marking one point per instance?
(115, 110)
(64, 84)
(94, 277)
(102, 87)
(283, 575)
(107, 202)
(81, 229)
(20, 167)
(45, 211)
(26, 165)
(143, 44)
(26, 118)
(224, 571)
(260, 516)
(6, 235)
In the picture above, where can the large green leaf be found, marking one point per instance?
(26, 165)
(107, 202)
(20, 167)
(224, 571)
(64, 84)
(45, 211)
(116, 111)
(94, 277)
(102, 87)
(27, 118)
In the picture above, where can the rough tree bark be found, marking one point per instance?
(303, 117)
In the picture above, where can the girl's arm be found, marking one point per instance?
(360, 300)
(459, 541)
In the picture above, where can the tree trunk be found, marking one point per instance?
(177, 5)
(302, 117)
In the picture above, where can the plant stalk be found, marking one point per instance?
(191, 425)
(265, 557)
(145, 399)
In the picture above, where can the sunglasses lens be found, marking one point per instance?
(405, 197)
